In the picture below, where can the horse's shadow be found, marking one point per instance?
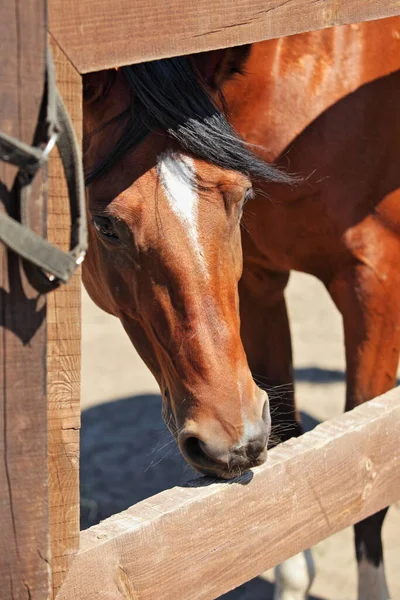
(127, 455)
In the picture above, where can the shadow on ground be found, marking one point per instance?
(127, 455)
(318, 375)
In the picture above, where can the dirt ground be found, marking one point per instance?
(127, 453)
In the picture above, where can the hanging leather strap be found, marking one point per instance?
(46, 266)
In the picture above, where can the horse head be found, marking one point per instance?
(167, 179)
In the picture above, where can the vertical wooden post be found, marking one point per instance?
(64, 354)
(24, 534)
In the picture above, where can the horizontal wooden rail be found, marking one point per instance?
(204, 540)
(99, 34)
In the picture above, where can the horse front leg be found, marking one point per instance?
(370, 305)
(266, 338)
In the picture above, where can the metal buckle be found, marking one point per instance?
(81, 257)
(49, 147)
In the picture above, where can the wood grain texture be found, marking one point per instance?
(198, 542)
(102, 34)
(24, 537)
(64, 353)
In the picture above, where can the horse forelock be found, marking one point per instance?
(168, 95)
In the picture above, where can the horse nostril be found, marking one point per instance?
(202, 454)
(191, 448)
(256, 447)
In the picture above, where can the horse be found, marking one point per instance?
(209, 178)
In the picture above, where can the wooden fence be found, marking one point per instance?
(144, 552)
(199, 542)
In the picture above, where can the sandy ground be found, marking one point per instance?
(127, 453)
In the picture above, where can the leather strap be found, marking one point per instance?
(46, 266)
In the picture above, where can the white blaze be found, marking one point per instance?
(178, 180)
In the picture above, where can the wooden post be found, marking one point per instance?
(24, 535)
(201, 541)
(63, 354)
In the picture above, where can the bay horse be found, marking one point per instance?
(178, 154)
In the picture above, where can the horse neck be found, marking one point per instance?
(291, 81)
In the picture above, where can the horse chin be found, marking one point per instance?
(219, 471)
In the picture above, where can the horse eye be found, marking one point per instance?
(105, 228)
(248, 195)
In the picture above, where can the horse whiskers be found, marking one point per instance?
(154, 463)
(280, 427)
(156, 448)
(169, 420)
(282, 406)
(279, 432)
(274, 440)
(274, 409)
(270, 387)
(279, 396)
(288, 386)
(245, 228)
(174, 434)
(276, 437)
(275, 393)
(160, 445)
(166, 444)
(267, 381)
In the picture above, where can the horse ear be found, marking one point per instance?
(96, 85)
(218, 66)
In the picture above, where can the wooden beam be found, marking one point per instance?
(101, 34)
(204, 540)
(24, 535)
(64, 354)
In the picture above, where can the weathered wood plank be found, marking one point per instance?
(63, 356)
(107, 34)
(24, 538)
(203, 541)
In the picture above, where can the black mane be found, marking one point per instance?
(168, 95)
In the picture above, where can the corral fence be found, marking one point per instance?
(205, 539)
